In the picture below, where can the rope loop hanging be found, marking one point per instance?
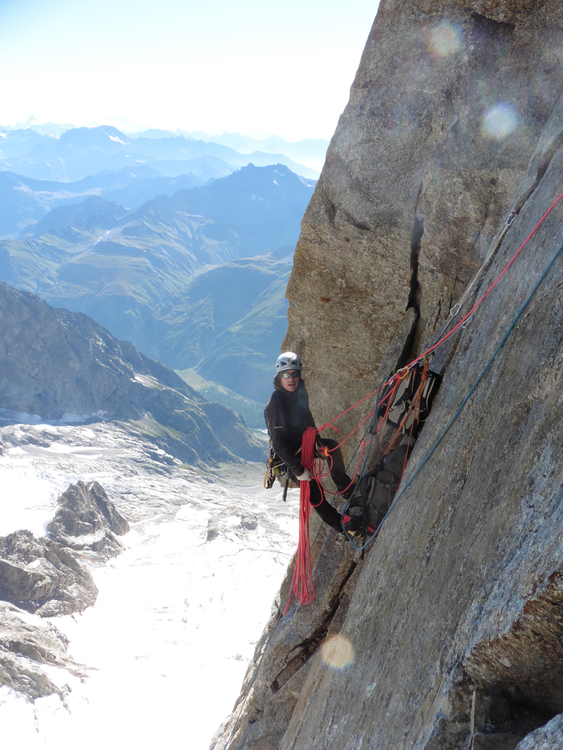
(302, 581)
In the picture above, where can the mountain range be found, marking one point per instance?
(228, 322)
(173, 241)
(80, 152)
(308, 151)
(63, 366)
(24, 201)
(169, 275)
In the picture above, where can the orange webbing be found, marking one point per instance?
(414, 406)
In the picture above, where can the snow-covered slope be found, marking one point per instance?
(166, 645)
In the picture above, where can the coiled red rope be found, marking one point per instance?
(302, 581)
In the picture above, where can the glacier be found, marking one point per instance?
(179, 612)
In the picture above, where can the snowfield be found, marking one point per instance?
(179, 611)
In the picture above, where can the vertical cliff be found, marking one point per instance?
(460, 597)
(446, 634)
(445, 111)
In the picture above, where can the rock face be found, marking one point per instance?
(87, 520)
(546, 738)
(59, 365)
(447, 634)
(444, 114)
(44, 577)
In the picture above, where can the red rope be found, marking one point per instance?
(302, 581)
(495, 282)
(394, 379)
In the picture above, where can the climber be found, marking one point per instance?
(287, 417)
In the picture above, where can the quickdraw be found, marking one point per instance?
(274, 469)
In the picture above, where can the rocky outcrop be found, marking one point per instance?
(546, 738)
(447, 634)
(45, 577)
(87, 520)
(25, 649)
(41, 576)
(62, 366)
(55, 362)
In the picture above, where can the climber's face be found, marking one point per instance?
(290, 380)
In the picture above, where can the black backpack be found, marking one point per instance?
(404, 399)
(374, 493)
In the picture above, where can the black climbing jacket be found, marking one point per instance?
(287, 417)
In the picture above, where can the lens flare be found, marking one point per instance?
(338, 652)
(499, 121)
(444, 39)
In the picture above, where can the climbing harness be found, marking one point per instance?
(275, 468)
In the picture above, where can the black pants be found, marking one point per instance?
(326, 511)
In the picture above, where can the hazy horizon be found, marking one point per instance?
(126, 128)
(256, 68)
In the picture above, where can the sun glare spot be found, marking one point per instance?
(444, 39)
(499, 121)
(338, 652)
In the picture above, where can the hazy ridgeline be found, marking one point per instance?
(180, 246)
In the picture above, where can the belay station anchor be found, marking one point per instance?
(403, 400)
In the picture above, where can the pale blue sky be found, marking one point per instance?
(259, 67)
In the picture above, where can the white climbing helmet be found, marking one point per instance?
(288, 361)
